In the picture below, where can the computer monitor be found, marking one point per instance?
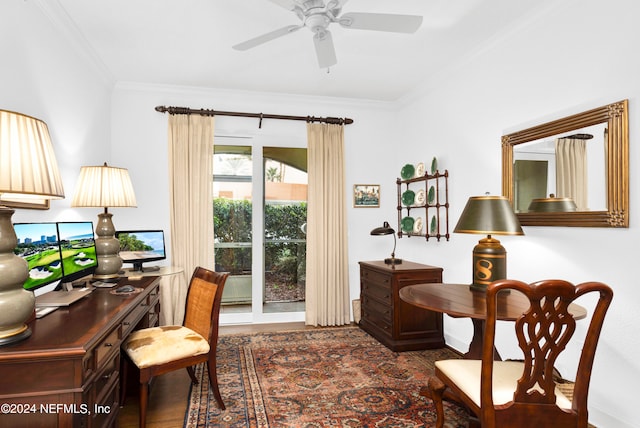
(141, 246)
(38, 245)
(78, 249)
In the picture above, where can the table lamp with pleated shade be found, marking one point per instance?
(105, 186)
(28, 169)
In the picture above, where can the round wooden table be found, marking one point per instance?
(459, 300)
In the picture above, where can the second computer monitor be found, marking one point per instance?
(78, 248)
(141, 246)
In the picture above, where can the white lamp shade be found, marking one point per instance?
(28, 164)
(104, 186)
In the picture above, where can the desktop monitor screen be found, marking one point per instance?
(38, 245)
(141, 246)
(78, 249)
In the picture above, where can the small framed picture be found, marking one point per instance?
(366, 195)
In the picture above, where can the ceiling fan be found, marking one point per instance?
(317, 16)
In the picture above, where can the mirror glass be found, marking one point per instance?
(535, 168)
(570, 172)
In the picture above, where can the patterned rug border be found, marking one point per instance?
(237, 349)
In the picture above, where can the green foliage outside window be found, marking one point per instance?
(130, 242)
(232, 223)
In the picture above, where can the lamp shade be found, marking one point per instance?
(552, 205)
(385, 229)
(28, 164)
(104, 186)
(488, 215)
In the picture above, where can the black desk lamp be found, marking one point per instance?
(388, 230)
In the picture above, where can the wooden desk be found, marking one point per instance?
(459, 300)
(67, 374)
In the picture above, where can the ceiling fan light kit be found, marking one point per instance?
(317, 16)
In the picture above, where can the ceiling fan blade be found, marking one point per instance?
(251, 43)
(381, 22)
(287, 4)
(325, 50)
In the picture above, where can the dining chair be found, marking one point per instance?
(159, 350)
(523, 393)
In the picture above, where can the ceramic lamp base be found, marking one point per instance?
(16, 303)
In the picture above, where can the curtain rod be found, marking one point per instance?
(206, 112)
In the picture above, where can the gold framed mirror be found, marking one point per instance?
(539, 167)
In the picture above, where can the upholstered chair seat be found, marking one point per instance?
(466, 375)
(160, 345)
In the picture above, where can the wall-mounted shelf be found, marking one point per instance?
(429, 206)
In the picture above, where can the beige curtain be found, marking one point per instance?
(327, 285)
(190, 204)
(571, 171)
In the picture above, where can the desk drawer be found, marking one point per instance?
(376, 278)
(378, 291)
(106, 347)
(105, 411)
(375, 310)
(107, 376)
(130, 322)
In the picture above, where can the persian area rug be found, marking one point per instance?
(325, 377)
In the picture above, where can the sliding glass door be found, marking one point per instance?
(260, 210)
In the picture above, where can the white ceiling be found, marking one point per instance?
(188, 43)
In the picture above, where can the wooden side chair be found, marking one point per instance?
(159, 350)
(523, 393)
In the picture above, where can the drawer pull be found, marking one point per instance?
(126, 323)
(108, 345)
(107, 376)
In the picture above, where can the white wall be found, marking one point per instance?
(43, 76)
(577, 57)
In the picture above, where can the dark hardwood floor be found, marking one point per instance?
(169, 394)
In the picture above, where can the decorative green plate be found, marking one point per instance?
(432, 195)
(434, 165)
(407, 224)
(434, 226)
(407, 171)
(408, 197)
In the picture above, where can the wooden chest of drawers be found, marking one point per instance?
(67, 374)
(395, 323)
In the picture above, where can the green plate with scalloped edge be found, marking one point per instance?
(408, 197)
(407, 224)
(407, 171)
